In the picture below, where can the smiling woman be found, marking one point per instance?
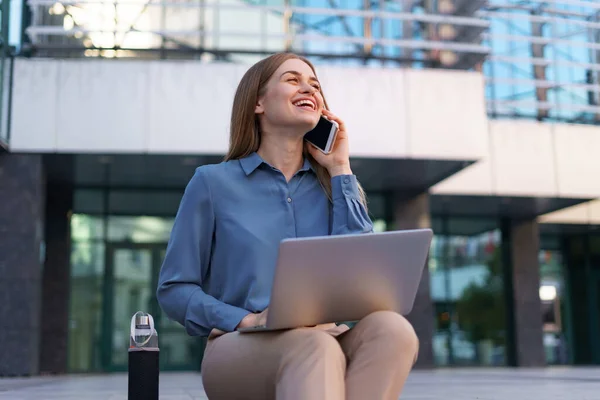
(217, 273)
(292, 99)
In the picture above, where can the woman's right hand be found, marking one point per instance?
(252, 320)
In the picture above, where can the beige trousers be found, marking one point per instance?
(369, 362)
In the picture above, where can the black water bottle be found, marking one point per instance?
(143, 358)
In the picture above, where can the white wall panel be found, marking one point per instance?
(34, 103)
(474, 180)
(102, 106)
(523, 158)
(578, 160)
(446, 114)
(184, 107)
(586, 213)
(371, 104)
(533, 159)
(190, 106)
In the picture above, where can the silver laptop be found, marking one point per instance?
(345, 278)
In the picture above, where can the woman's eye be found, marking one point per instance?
(293, 80)
(317, 87)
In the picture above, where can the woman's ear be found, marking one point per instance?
(259, 109)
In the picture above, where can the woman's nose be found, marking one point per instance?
(308, 88)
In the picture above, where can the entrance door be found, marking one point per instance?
(594, 290)
(130, 285)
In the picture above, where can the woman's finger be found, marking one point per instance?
(331, 116)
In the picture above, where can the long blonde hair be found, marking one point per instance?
(244, 137)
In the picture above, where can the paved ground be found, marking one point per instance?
(462, 384)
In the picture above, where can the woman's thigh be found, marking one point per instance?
(246, 365)
(239, 366)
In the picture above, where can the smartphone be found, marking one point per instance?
(323, 135)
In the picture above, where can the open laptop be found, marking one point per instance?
(327, 279)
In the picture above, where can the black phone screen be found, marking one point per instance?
(320, 134)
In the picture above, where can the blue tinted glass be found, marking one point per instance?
(525, 60)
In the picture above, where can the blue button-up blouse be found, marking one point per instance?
(221, 256)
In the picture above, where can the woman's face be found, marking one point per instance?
(292, 98)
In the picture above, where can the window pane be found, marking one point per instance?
(552, 295)
(139, 229)
(87, 270)
(144, 202)
(86, 227)
(88, 201)
(467, 290)
(477, 281)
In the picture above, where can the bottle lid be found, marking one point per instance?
(141, 330)
(142, 320)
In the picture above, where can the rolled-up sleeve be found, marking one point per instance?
(349, 214)
(187, 262)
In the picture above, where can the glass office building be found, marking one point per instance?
(544, 60)
(540, 61)
(539, 57)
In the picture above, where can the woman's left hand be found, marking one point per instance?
(338, 161)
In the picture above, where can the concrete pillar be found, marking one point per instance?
(414, 214)
(528, 335)
(21, 238)
(55, 280)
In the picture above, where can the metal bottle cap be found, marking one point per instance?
(142, 320)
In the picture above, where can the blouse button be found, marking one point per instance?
(289, 199)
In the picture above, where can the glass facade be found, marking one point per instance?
(555, 312)
(347, 31)
(467, 290)
(115, 262)
(540, 59)
(569, 291)
(116, 255)
(581, 256)
(114, 270)
(544, 60)
(87, 279)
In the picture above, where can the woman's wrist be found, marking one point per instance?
(340, 170)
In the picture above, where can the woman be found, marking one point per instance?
(220, 260)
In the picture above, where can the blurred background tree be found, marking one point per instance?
(481, 308)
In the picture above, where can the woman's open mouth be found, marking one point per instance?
(306, 104)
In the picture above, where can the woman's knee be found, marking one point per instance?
(313, 366)
(392, 328)
(309, 343)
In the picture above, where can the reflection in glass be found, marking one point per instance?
(136, 247)
(552, 294)
(86, 227)
(467, 291)
(87, 271)
(560, 85)
(140, 229)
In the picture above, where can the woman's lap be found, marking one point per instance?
(246, 365)
(372, 359)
